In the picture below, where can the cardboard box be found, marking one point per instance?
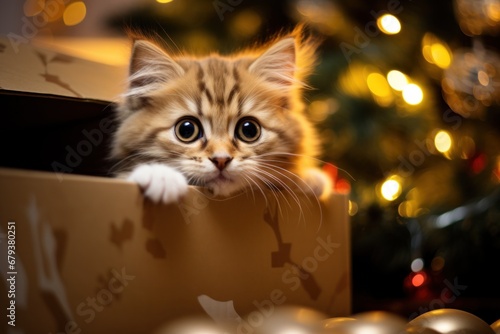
(89, 255)
(92, 255)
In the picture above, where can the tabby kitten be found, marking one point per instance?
(226, 123)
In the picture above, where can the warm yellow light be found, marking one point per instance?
(353, 80)
(397, 80)
(390, 189)
(353, 208)
(427, 53)
(408, 208)
(440, 55)
(319, 110)
(389, 24)
(246, 23)
(483, 78)
(164, 1)
(412, 94)
(442, 141)
(378, 84)
(493, 11)
(74, 13)
(436, 51)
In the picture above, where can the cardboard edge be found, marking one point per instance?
(23, 173)
(21, 93)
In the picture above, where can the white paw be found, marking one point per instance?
(318, 182)
(160, 183)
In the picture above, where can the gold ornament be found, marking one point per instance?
(293, 319)
(451, 321)
(333, 322)
(420, 330)
(375, 322)
(496, 326)
(190, 325)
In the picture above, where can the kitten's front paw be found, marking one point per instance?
(160, 183)
(318, 182)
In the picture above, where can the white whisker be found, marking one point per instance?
(274, 183)
(292, 179)
(305, 156)
(269, 185)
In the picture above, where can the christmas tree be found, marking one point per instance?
(406, 98)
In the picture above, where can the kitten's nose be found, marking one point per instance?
(221, 162)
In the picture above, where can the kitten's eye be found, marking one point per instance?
(188, 130)
(248, 130)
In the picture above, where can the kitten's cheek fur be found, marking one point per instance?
(160, 183)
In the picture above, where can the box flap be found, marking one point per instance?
(38, 70)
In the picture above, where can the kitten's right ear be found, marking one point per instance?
(150, 69)
(278, 64)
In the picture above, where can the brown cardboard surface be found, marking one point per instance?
(91, 255)
(38, 70)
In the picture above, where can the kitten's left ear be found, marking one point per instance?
(277, 65)
(150, 69)
(150, 64)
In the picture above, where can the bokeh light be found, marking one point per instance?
(418, 280)
(352, 81)
(437, 263)
(493, 11)
(380, 89)
(412, 94)
(75, 13)
(353, 208)
(441, 55)
(478, 17)
(391, 189)
(378, 85)
(407, 209)
(479, 163)
(436, 51)
(245, 23)
(320, 109)
(389, 24)
(397, 80)
(417, 265)
(164, 1)
(483, 78)
(342, 186)
(442, 141)
(326, 16)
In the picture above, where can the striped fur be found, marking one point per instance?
(263, 84)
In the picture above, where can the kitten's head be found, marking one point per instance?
(226, 123)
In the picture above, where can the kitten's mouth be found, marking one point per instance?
(220, 179)
(223, 184)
